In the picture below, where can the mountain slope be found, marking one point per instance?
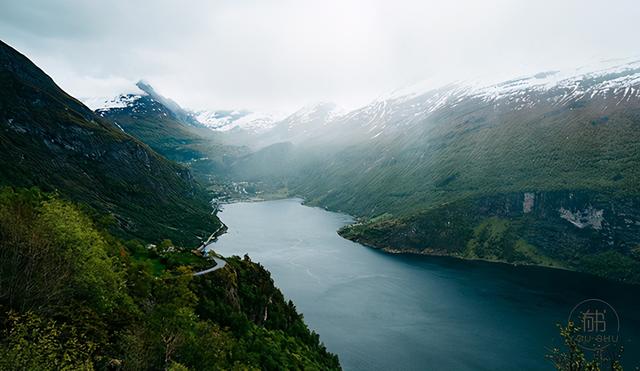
(170, 130)
(450, 142)
(73, 296)
(238, 120)
(300, 126)
(258, 131)
(530, 171)
(53, 141)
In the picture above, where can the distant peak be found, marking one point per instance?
(174, 107)
(146, 87)
(606, 69)
(226, 120)
(325, 108)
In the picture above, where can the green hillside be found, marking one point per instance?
(81, 287)
(437, 183)
(52, 141)
(169, 130)
(73, 297)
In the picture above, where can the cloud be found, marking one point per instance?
(279, 55)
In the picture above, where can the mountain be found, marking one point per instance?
(539, 170)
(74, 296)
(302, 125)
(169, 129)
(180, 113)
(53, 141)
(238, 120)
(144, 89)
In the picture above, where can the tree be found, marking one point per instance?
(574, 359)
(31, 342)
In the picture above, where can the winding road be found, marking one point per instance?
(219, 265)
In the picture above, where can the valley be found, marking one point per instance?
(462, 196)
(98, 234)
(379, 311)
(541, 170)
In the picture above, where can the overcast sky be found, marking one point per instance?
(279, 55)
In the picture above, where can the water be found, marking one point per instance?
(394, 312)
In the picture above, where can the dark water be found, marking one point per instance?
(392, 312)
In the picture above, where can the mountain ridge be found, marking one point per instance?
(54, 142)
(447, 172)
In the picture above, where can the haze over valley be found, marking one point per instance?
(288, 185)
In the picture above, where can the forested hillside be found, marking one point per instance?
(96, 260)
(539, 170)
(72, 296)
(52, 141)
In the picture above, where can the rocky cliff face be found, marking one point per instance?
(582, 230)
(52, 141)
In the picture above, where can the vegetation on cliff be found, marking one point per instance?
(72, 296)
(500, 228)
(52, 141)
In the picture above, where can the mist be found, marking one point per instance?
(277, 56)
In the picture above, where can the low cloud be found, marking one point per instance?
(279, 55)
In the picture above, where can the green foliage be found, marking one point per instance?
(424, 167)
(613, 264)
(274, 334)
(34, 343)
(95, 276)
(52, 141)
(440, 230)
(495, 228)
(495, 239)
(573, 358)
(74, 297)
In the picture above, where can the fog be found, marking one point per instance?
(279, 55)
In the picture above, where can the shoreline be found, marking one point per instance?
(212, 237)
(414, 253)
(393, 251)
(427, 253)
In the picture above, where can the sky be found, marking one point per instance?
(276, 56)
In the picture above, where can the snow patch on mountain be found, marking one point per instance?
(586, 82)
(602, 79)
(222, 120)
(613, 82)
(318, 113)
(123, 100)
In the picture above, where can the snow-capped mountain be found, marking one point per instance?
(311, 116)
(305, 124)
(604, 80)
(226, 120)
(217, 120)
(143, 98)
(168, 129)
(425, 163)
(606, 85)
(597, 78)
(603, 86)
(271, 128)
(610, 83)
